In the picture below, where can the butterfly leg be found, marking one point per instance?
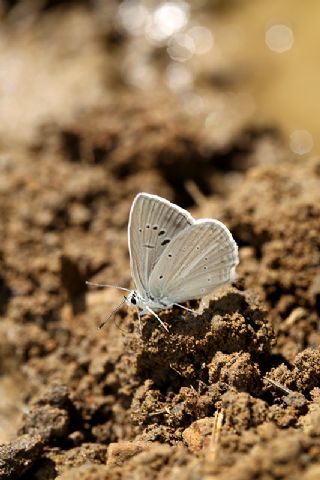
(139, 317)
(157, 317)
(184, 308)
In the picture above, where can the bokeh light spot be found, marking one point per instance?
(181, 47)
(279, 38)
(179, 78)
(133, 16)
(167, 19)
(202, 38)
(301, 141)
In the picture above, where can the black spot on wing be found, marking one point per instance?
(165, 241)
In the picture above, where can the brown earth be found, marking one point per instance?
(233, 392)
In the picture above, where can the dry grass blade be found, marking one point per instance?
(279, 385)
(214, 444)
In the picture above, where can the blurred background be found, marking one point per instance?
(225, 61)
(101, 99)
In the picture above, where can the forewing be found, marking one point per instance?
(153, 223)
(196, 262)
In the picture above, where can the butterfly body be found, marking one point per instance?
(136, 300)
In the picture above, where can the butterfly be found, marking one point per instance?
(173, 257)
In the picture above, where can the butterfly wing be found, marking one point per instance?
(153, 223)
(199, 259)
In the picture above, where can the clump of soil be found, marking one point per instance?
(229, 392)
(281, 259)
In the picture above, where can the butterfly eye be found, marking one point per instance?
(169, 255)
(162, 232)
(147, 226)
(155, 227)
(161, 276)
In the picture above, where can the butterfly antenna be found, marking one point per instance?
(157, 317)
(112, 313)
(91, 284)
(184, 308)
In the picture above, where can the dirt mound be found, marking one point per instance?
(275, 216)
(131, 390)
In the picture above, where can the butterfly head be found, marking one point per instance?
(132, 299)
(135, 300)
